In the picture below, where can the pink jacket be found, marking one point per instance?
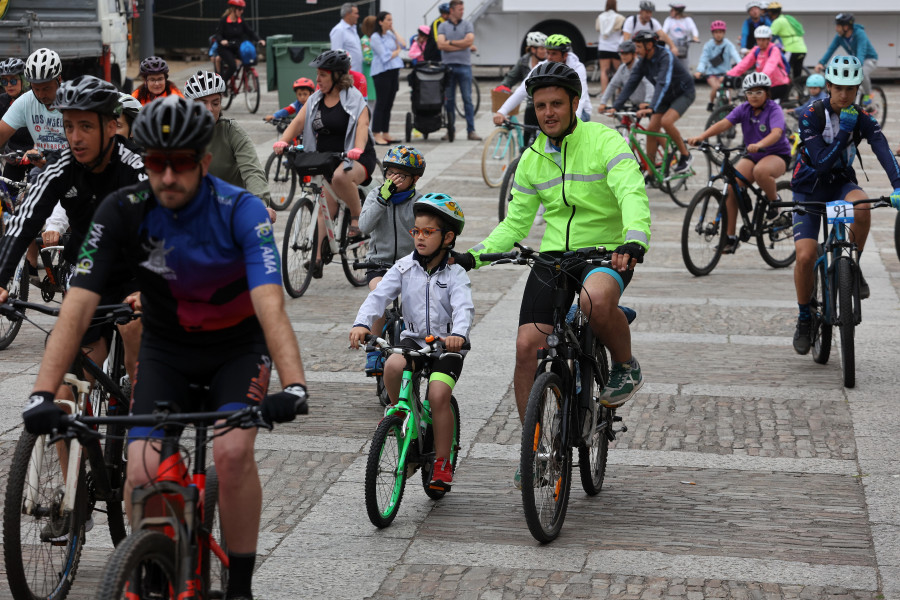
(768, 62)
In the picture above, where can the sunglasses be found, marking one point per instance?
(425, 231)
(7, 82)
(179, 163)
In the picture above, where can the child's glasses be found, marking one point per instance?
(426, 231)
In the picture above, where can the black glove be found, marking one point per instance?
(633, 249)
(285, 405)
(463, 259)
(41, 414)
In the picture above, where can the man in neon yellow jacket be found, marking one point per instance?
(588, 180)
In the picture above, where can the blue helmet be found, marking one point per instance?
(815, 80)
(443, 206)
(844, 70)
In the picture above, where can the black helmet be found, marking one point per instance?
(12, 66)
(553, 74)
(845, 19)
(645, 36)
(86, 92)
(174, 123)
(627, 47)
(332, 60)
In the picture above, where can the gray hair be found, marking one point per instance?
(347, 8)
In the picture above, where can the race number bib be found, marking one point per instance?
(839, 211)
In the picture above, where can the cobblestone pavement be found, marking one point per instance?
(748, 472)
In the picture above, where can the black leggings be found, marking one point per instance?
(229, 62)
(796, 62)
(386, 85)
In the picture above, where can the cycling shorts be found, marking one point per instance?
(679, 104)
(785, 157)
(447, 368)
(806, 227)
(373, 273)
(537, 301)
(236, 376)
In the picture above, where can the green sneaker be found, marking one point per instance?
(624, 382)
(517, 479)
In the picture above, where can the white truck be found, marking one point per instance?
(91, 36)
(501, 25)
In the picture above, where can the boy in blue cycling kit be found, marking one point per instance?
(830, 130)
(387, 216)
(213, 311)
(852, 38)
(437, 300)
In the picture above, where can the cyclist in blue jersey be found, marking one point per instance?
(852, 39)
(213, 311)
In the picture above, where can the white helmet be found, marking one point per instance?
(756, 80)
(755, 3)
(535, 39)
(43, 65)
(131, 106)
(202, 84)
(763, 31)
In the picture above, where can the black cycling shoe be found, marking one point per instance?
(802, 341)
(863, 287)
(731, 245)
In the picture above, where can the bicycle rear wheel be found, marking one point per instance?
(114, 445)
(18, 288)
(282, 181)
(509, 177)
(41, 547)
(678, 187)
(251, 90)
(592, 458)
(846, 319)
(878, 107)
(299, 248)
(546, 460)
(497, 156)
(897, 235)
(385, 476)
(352, 251)
(230, 92)
(726, 138)
(776, 237)
(476, 100)
(703, 233)
(821, 328)
(437, 494)
(143, 566)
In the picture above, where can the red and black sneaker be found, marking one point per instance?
(441, 475)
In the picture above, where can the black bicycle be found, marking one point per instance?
(564, 409)
(281, 177)
(703, 235)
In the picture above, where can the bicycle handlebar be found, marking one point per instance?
(435, 347)
(507, 123)
(371, 265)
(801, 207)
(120, 313)
(597, 255)
(348, 164)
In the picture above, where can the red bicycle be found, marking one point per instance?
(245, 80)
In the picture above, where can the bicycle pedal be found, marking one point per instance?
(440, 487)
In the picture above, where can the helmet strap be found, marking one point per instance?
(107, 150)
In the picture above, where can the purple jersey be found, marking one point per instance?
(756, 127)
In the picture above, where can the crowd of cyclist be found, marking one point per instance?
(145, 182)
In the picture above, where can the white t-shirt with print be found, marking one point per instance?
(45, 126)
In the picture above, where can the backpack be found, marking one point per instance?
(795, 24)
(784, 59)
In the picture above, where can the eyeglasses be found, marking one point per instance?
(426, 231)
(179, 163)
(401, 174)
(754, 92)
(156, 79)
(7, 82)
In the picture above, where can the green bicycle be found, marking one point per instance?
(404, 439)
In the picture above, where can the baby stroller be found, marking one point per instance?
(427, 81)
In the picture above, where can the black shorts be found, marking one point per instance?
(447, 368)
(372, 274)
(114, 294)
(236, 376)
(369, 162)
(785, 157)
(537, 301)
(608, 54)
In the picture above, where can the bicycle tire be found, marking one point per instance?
(214, 583)
(506, 189)
(703, 233)
(545, 464)
(282, 182)
(726, 138)
(251, 91)
(879, 108)
(23, 532)
(17, 288)
(679, 185)
(429, 447)
(383, 467)
(897, 235)
(114, 453)
(497, 155)
(353, 251)
(476, 100)
(592, 459)
(298, 251)
(230, 92)
(821, 328)
(143, 566)
(776, 245)
(846, 317)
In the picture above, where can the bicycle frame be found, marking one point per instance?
(658, 174)
(420, 413)
(316, 187)
(837, 245)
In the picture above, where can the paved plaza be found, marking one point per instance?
(747, 471)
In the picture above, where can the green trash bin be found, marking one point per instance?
(271, 71)
(292, 62)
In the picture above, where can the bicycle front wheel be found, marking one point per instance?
(282, 181)
(897, 235)
(509, 177)
(142, 566)
(251, 91)
(230, 92)
(41, 546)
(593, 453)
(776, 236)
(353, 250)
(298, 250)
(703, 233)
(821, 328)
(18, 288)
(846, 317)
(546, 460)
(427, 469)
(497, 156)
(385, 475)
(214, 573)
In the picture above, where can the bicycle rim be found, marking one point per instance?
(299, 248)
(36, 568)
(592, 458)
(282, 182)
(821, 328)
(847, 320)
(878, 108)
(776, 237)
(142, 566)
(385, 476)
(17, 288)
(251, 91)
(497, 155)
(703, 232)
(214, 572)
(546, 460)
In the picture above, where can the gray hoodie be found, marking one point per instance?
(388, 224)
(352, 102)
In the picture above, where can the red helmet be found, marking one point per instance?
(238, 3)
(303, 82)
